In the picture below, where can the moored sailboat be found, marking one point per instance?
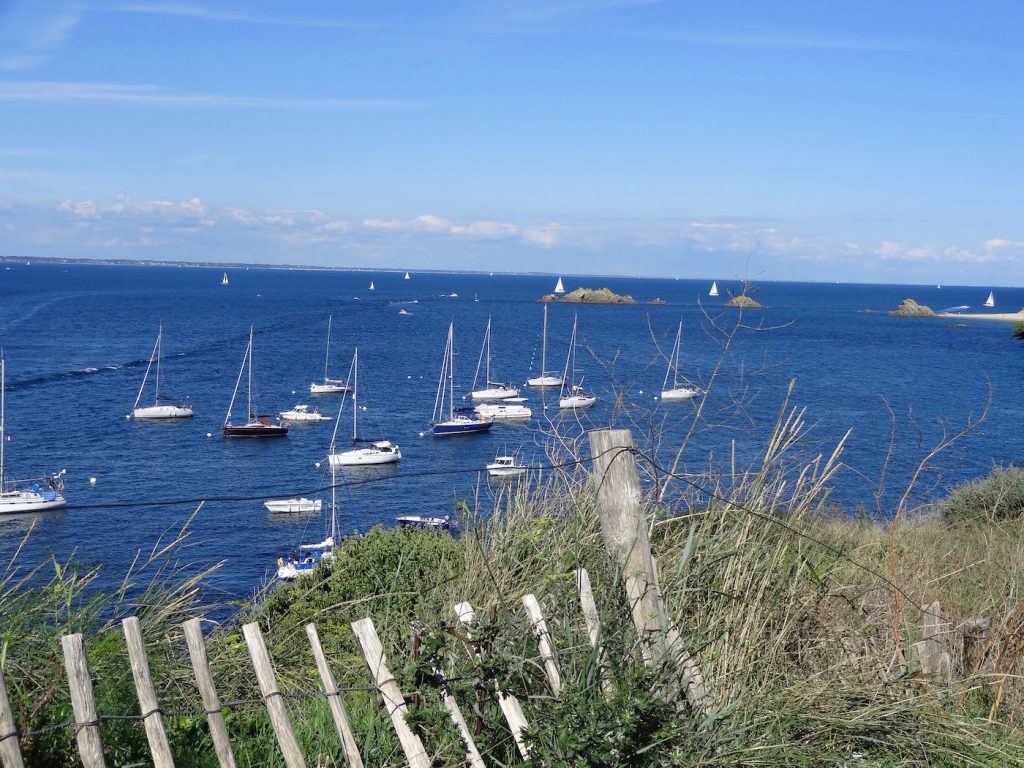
(677, 391)
(168, 410)
(254, 425)
(449, 420)
(492, 390)
(545, 379)
(302, 563)
(329, 386)
(573, 397)
(364, 451)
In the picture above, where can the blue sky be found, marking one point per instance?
(869, 141)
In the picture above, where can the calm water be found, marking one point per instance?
(77, 340)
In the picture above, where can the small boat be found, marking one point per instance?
(505, 466)
(302, 563)
(545, 379)
(991, 300)
(224, 280)
(293, 505)
(403, 312)
(426, 521)
(678, 391)
(476, 298)
(453, 295)
(714, 289)
(363, 451)
(577, 398)
(462, 421)
(559, 288)
(407, 276)
(371, 286)
(329, 386)
(254, 425)
(168, 410)
(511, 409)
(30, 495)
(304, 413)
(492, 390)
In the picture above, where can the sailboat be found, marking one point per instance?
(329, 386)
(407, 276)
(545, 379)
(372, 288)
(991, 300)
(254, 425)
(302, 563)
(559, 288)
(461, 421)
(678, 391)
(577, 398)
(31, 496)
(492, 390)
(224, 280)
(363, 451)
(156, 410)
(714, 289)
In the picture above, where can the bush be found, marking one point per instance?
(1000, 496)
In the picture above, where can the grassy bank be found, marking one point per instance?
(804, 627)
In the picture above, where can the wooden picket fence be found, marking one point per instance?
(624, 529)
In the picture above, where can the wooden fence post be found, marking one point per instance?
(935, 662)
(394, 701)
(159, 748)
(90, 747)
(452, 706)
(341, 722)
(547, 651)
(272, 696)
(590, 615)
(208, 693)
(975, 643)
(510, 706)
(10, 746)
(624, 529)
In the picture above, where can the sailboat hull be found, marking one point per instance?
(545, 381)
(256, 429)
(576, 402)
(327, 389)
(20, 502)
(462, 427)
(365, 457)
(680, 393)
(163, 412)
(495, 392)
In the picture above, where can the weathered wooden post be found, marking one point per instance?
(590, 615)
(624, 529)
(211, 701)
(159, 748)
(83, 703)
(975, 643)
(341, 721)
(10, 746)
(272, 696)
(544, 645)
(935, 662)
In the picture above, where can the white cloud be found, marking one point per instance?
(34, 30)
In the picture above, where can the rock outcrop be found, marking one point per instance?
(590, 296)
(743, 302)
(910, 308)
(656, 301)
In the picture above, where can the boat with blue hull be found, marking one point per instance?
(448, 420)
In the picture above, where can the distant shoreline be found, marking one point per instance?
(1010, 316)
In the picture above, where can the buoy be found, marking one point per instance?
(209, 434)
(364, 407)
(408, 377)
(128, 416)
(293, 391)
(317, 465)
(92, 481)
(641, 391)
(421, 434)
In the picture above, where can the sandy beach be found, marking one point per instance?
(1008, 316)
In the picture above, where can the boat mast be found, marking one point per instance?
(3, 410)
(673, 361)
(159, 354)
(238, 381)
(355, 393)
(544, 345)
(487, 341)
(451, 372)
(439, 397)
(327, 354)
(570, 358)
(249, 353)
(334, 490)
(152, 355)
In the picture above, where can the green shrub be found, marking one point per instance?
(999, 496)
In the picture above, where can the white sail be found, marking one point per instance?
(559, 288)
(224, 280)
(991, 300)
(158, 410)
(407, 276)
(714, 289)
(371, 286)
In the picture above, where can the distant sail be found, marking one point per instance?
(371, 286)
(406, 275)
(714, 289)
(559, 288)
(991, 300)
(224, 280)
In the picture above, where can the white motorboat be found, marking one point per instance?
(559, 288)
(505, 466)
(511, 409)
(573, 397)
(714, 289)
(168, 410)
(303, 413)
(293, 505)
(991, 300)
(492, 390)
(224, 280)
(449, 420)
(545, 379)
(363, 451)
(426, 521)
(302, 563)
(30, 495)
(329, 386)
(677, 391)
(254, 425)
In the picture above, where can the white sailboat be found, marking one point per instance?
(301, 564)
(714, 289)
(329, 386)
(991, 300)
(545, 379)
(573, 397)
(224, 280)
(156, 410)
(677, 391)
(28, 496)
(449, 420)
(363, 451)
(372, 288)
(491, 390)
(407, 276)
(559, 288)
(254, 425)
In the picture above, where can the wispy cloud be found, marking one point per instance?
(152, 95)
(39, 29)
(811, 41)
(235, 15)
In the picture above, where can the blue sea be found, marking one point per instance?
(77, 340)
